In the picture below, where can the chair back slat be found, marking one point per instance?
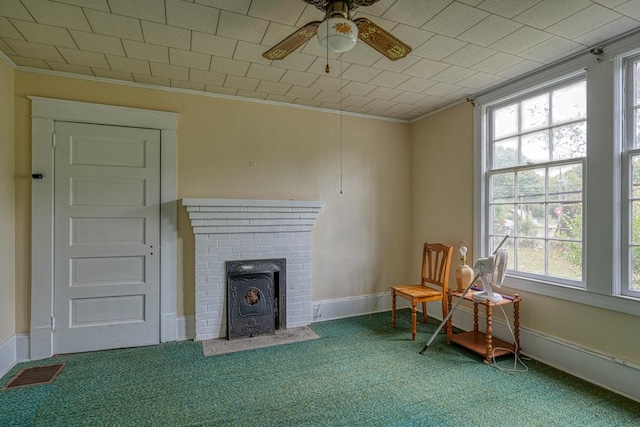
(436, 263)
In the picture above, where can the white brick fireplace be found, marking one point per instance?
(239, 229)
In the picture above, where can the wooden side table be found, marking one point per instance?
(484, 343)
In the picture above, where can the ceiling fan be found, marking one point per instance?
(338, 32)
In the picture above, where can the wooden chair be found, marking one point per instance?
(436, 263)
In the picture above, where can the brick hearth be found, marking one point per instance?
(237, 229)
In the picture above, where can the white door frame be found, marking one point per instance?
(44, 112)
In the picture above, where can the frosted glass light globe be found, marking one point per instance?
(341, 34)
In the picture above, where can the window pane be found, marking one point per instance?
(565, 182)
(569, 103)
(505, 153)
(635, 268)
(637, 83)
(635, 177)
(531, 185)
(505, 121)
(635, 223)
(501, 219)
(535, 148)
(530, 220)
(535, 113)
(503, 187)
(508, 245)
(565, 259)
(636, 128)
(570, 142)
(567, 221)
(530, 256)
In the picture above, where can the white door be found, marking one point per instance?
(106, 237)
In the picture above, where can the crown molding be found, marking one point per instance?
(8, 61)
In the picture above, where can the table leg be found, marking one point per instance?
(448, 326)
(516, 323)
(489, 334)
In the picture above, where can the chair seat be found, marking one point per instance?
(417, 291)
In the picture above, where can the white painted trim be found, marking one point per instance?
(7, 60)
(185, 328)
(619, 376)
(44, 112)
(7, 355)
(23, 347)
(253, 203)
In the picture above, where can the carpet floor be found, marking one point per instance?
(360, 372)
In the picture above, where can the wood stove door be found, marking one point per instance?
(250, 304)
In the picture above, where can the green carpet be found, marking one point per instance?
(360, 372)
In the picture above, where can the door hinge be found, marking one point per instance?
(53, 139)
(53, 323)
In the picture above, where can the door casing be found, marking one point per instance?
(45, 111)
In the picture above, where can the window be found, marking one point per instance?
(631, 281)
(536, 150)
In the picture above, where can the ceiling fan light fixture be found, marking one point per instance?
(339, 33)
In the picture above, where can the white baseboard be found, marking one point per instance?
(619, 376)
(7, 355)
(185, 328)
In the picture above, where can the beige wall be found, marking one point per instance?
(7, 204)
(442, 209)
(234, 149)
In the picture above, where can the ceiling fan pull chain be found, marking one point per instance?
(327, 69)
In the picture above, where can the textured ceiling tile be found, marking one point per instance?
(548, 12)
(4, 48)
(388, 79)
(238, 6)
(110, 74)
(295, 61)
(166, 36)
(631, 9)
(497, 63)
(276, 32)
(469, 55)
(251, 94)
(114, 25)
(490, 30)
(241, 27)
(58, 14)
(35, 50)
(549, 49)
(356, 101)
(438, 47)
(520, 40)
(128, 65)
(190, 59)
(441, 89)
(250, 52)
(8, 30)
(431, 102)
(229, 66)
(471, 2)
(607, 31)
(416, 84)
(69, 68)
(273, 87)
(358, 73)
(384, 93)
(425, 68)
(151, 80)
(379, 104)
(206, 77)
(415, 12)
(169, 71)
(520, 68)
(611, 3)
(319, 67)
(21, 61)
(98, 43)
(187, 85)
(481, 81)
(361, 54)
(454, 74)
(44, 34)
(260, 71)
(455, 19)
(298, 78)
(238, 82)
(414, 37)
(303, 92)
(149, 10)
(280, 98)
(221, 90)
(89, 4)
(507, 8)
(146, 51)
(15, 9)
(213, 45)
(328, 96)
(357, 88)
(332, 84)
(584, 21)
(287, 12)
(396, 66)
(79, 57)
(192, 16)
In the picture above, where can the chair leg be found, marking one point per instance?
(414, 318)
(424, 312)
(393, 308)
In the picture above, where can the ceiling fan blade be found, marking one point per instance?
(294, 41)
(381, 40)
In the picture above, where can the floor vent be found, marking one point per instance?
(35, 376)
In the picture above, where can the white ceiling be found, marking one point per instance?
(459, 47)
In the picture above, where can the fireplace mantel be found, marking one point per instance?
(240, 229)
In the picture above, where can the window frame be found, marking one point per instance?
(603, 186)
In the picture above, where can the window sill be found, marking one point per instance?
(619, 303)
